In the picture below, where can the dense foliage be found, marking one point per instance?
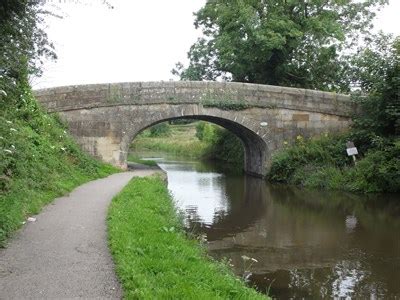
(377, 71)
(222, 144)
(323, 162)
(23, 44)
(279, 42)
(161, 129)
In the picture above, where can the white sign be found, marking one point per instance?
(352, 151)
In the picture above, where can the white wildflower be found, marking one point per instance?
(13, 129)
(63, 149)
(8, 122)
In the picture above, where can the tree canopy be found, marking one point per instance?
(280, 42)
(377, 71)
(23, 43)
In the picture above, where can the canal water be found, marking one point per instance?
(291, 242)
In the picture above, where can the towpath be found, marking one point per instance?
(64, 253)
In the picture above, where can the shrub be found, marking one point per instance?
(308, 155)
(159, 130)
(227, 147)
(206, 132)
(378, 171)
(314, 163)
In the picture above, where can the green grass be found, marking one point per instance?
(154, 258)
(134, 158)
(38, 162)
(181, 141)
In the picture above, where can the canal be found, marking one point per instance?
(287, 241)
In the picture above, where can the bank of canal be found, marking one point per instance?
(312, 244)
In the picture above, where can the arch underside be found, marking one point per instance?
(255, 148)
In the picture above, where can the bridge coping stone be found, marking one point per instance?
(252, 94)
(191, 84)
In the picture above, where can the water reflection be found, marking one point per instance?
(308, 244)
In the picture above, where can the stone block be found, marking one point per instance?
(301, 117)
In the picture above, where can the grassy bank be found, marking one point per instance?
(179, 140)
(38, 160)
(322, 162)
(199, 140)
(154, 258)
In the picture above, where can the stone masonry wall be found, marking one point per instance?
(105, 118)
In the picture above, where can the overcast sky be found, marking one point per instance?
(135, 41)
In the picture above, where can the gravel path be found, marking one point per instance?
(64, 253)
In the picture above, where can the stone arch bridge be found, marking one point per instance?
(105, 118)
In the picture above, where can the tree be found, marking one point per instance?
(377, 72)
(22, 44)
(279, 42)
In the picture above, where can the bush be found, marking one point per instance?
(206, 132)
(323, 163)
(378, 171)
(309, 155)
(227, 147)
(159, 130)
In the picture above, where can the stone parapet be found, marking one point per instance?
(217, 94)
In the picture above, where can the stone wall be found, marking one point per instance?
(105, 118)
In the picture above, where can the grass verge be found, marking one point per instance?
(154, 258)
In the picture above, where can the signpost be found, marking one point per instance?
(351, 150)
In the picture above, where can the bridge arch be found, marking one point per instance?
(104, 118)
(255, 148)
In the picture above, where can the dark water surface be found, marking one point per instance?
(292, 242)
